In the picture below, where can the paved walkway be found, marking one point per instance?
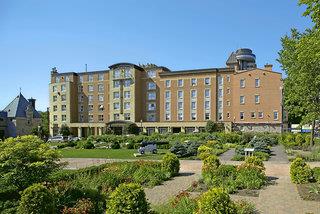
(227, 156)
(278, 155)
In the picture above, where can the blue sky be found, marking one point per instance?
(36, 35)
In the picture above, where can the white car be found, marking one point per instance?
(58, 138)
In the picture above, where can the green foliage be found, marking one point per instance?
(204, 152)
(115, 145)
(36, 199)
(26, 160)
(254, 161)
(216, 201)
(127, 199)
(64, 130)
(170, 163)
(82, 206)
(211, 126)
(313, 10)
(244, 207)
(210, 165)
(230, 137)
(316, 174)
(132, 129)
(262, 155)
(250, 177)
(186, 149)
(300, 172)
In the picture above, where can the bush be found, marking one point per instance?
(204, 152)
(132, 129)
(244, 207)
(211, 127)
(316, 174)
(127, 199)
(250, 177)
(254, 161)
(210, 165)
(223, 177)
(170, 163)
(36, 199)
(262, 155)
(88, 145)
(83, 206)
(187, 149)
(300, 172)
(216, 201)
(115, 145)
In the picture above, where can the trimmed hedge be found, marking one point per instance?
(170, 163)
(300, 172)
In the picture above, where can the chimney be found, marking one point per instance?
(268, 67)
(32, 102)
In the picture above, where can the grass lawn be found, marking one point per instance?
(110, 154)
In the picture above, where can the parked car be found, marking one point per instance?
(57, 138)
(148, 146)
(72, 138)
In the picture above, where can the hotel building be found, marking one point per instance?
(240, 95)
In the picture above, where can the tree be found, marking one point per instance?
(300, 59)
(64, 130)
(26, 160)
(132, 129)
(211, 126)
(43, 130)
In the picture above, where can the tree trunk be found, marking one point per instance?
(312, 133)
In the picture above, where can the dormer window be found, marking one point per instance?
(151, 73)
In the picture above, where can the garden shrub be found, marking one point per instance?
(223, 177)
(82, 206)
(261, 144)
(237, 157)
(211, 126)
(316, 174)
(170, 163)
(204, 152)
(88, 145)
(250, 177)
(216, 201)
(210, 165)
(254, 161)
(179, 149)
(36, 199)
(262, 155)
(300, 172)
(245, 207)
(127, 199)
(115, 145)
(229, 137)
(149, 176)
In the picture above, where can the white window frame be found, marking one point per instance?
(205, 95)
(195, 81)
(255, 99)
(275, 111)
(168, 83)
(205, 81)
(255, 82)
(180, 85)
(244, 83)
(242, 102)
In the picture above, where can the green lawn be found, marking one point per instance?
(109, 154)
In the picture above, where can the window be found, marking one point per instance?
(228, 90)
(151, 106)
(127, 116)
(207, 105)
(180, 116)
(180, 82)
(207, 116)
(207, 81)
(168, 83)
(90, 108)
(220, 104)
(228, 103)
(57, 79)
(63, 118)
(90, 98)
(127, 94)
(100, 87)
(241, 115)
(151, 95)
(180, 94)
(116, 84)
(116, 106)
(220, 80)
(101, 97)
(101, 107)
(193, 82)
(63, 98)
(193, 116)
(242, 83)
(100, 117)
(257, 82)
(220, 93)
(81, 108)
(100, 77)
(220, 116)
(55, 108)
(116, 117)
(242, 100)
(80, 97)
(80, 88)
(116, 74)
(116, 95)
(193, 105)
(253, 115)
(63, 108)
(275, 115)
(152, 74)
(151, 85)
(81, 79)
(54, 88)
(54, 98)
(167, 116)
(167, 94)
(90, 118)
(193, 93)
(127, 83)
(257, 99)
(260, 114)
(207, 93)
(228, 78)
(151, 117)
(167, 106)
(127, 73)
(180, 105)
(81, 119)
(228, 115)
(90, 88)
(127, 105)
(90, 77)
(55, 117)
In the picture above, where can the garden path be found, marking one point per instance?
(227, 156)
(278, 155)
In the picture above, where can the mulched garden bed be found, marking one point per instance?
(309, 192)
